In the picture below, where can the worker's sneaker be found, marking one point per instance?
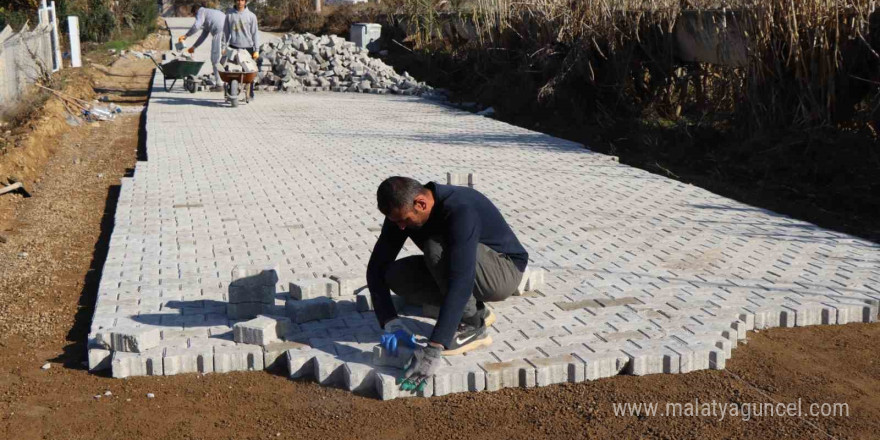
(487, 316)
(468, 338)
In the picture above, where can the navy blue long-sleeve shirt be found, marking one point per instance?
(465, 218)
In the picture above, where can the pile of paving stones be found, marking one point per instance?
(238, 61)
(305, 62)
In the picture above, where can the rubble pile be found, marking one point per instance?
(305, 62)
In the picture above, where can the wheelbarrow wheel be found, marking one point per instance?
(189, 83)
(233, 93)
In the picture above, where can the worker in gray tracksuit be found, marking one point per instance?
(240, 31)
(209, 21)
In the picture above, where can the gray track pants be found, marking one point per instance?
(216, 45)
(424, 279)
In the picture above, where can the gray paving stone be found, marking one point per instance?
(514, 373)
(358, 377)
(559, 369)
(261, 330)
(308, 310)
(459, 380)
(99, 359)
(329, 370)
(133, 339)
(187, 360)
(146, 363)
(238, 358)
(350, 283)
(275, 353)
(313, 288)
(299, 362)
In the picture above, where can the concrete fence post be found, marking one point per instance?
(55, 40)
(73, 31)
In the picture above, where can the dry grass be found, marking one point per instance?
(810, 62)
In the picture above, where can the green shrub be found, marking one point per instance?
(138, 15)
(97, 21)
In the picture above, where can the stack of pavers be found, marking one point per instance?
(305, 62)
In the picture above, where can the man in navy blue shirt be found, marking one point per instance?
(471, 256)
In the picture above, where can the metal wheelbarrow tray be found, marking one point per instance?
(179, 69)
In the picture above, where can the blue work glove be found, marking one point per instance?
(390, 341)
(425, 362)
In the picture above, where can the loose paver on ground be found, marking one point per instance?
(630, 272)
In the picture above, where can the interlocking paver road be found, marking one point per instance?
(644, 274)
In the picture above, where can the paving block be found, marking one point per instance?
(254, 276)
(651, 358)
(699, 356)
(251, 294)
(514, 373)
(806, 314)
(246, 310)
(533, 279)
(603, 364)
(147, 363)
(133, 339)
(768, 318)
(299, 362)
(558, 369)
(99, 359)
(238, 358)
(261, 330)
(307, 310)
(274, 353)
(349, 283)
(252, 284)
(188, 360)
(450, 380)
(364, 302)
(328, 370)
(358, 377)
(382, 358)
(313, 288)
(461, 179)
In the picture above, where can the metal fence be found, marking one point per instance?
(24, 56)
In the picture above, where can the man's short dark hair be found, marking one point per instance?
(397, 192)
(195, 7)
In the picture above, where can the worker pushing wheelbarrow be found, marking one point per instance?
(238, 72)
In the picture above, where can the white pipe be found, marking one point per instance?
(55, 42)
(73, 31)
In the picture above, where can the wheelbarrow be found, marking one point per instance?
(179, 69)
(235, 83)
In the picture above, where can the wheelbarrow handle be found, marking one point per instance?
(154, 62)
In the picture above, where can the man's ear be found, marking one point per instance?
(420, 203)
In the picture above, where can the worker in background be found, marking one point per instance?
(471, 256)
(210, 22)
(240, 31)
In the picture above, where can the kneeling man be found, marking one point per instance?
(471, 256)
